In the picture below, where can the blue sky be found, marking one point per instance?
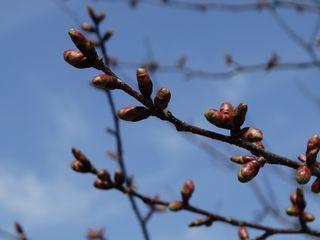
(47, 107)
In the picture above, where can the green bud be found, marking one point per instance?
(292, 211)
(308, 217)
(303, 175)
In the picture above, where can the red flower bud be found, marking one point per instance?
(133, 114)
(175, 206)
(243, 233)
(98, 183)
(219, 119)
(313, 142)
(242, 159)
(311, 155)
(80, 156)
(80, 167)
(308, 217)
(227, 108)
(252, 134)
(76, 59)
(303, 175)
(187, 190)
(83, 44)
(162, 98)
(119, 178)
(104, 175)
(292, 211)
(248, 171)
(144, 82)
(315, 187)
(240, 115)
(105, 82)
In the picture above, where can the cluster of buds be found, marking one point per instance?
(81, 163)
(228, 117)
(304, 172)
(207, 222)
(104, 181)
(187, 191)
(138, 113)
(96, 234)
(250, 168)
(298, 206)
(20, 232)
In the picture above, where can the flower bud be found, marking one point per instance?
(76, 59)
(240, 115)
(311, 155)
(315, 187)
(104, 175)
(219, 119)
(187, 190)
(98, 183)
(242, 159)
(80, 167)
(80, 156)
(175, 206)
(252, 134)
(119, 178)
(105, 82)
(303, 175)
(201, 222)
(248, 171)
(162, 98)
(313, 142)
(83, 44)
(144, 82)
(107, 36)
(87, 27)
(243, 233)
(302, 158)
(133, 114)
(227, 108)
(18, 228)
(308, 217)
(101, 15)
(292, 211)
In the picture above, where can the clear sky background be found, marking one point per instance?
(46, 107)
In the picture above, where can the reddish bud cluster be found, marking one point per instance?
(104, 181)
(81, 163)
(304, 172)
(298, 206)
(227, 117)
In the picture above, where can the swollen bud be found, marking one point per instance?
(201, 222)
(292, 211)
(104, 175)
(162, 98)
(242, 159)
(80, 167)
(240, 115)
(219, 119)
(243, 233)
(144, 82)
(76, 59)
(248, 171)
(80, 156)
(227, 108)
(87, 27)
(252, 134)
(98, 183)
(308, 217)
(313, 142)
(315, 187)
(83, 44)
(187, 190)
(105, 82)
(119, 178)
(303, 174)
(133, 114)
(175, 206)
